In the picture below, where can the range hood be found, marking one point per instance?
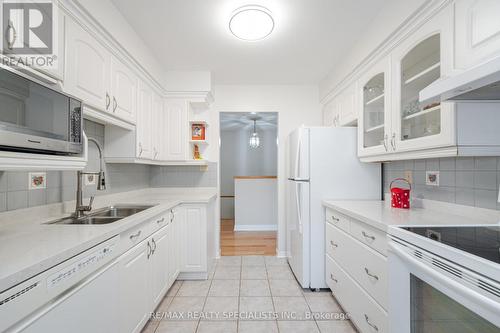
(481, 83)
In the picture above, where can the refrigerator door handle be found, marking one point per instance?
(297, 157)
(299, 208)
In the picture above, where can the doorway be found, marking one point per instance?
(248, 183)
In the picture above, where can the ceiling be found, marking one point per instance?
(232, 121)
(310, 36)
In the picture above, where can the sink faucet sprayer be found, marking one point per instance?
(101, 183)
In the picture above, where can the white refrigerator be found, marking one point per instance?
(322, 164)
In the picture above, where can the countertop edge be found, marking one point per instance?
(374, 223)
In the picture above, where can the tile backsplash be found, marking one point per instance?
(61, 185)
(471, 181)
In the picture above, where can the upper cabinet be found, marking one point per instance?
(123, 98)
(176, 124)
(477, 35)
(158, 128)
(144, 149)
(342, 109)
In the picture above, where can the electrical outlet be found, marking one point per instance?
(432, 178)
(409, 176)
(90, 179)
(37, 180)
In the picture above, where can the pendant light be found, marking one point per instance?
(254, 141)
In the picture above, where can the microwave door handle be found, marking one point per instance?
(458, 288)
(299, 208)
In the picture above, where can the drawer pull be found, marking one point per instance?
(370, 274)
(333, 279)
(371, 325)
(368, 236)
(135, 235)
(160, 220)
(335, 219)
(333, 244)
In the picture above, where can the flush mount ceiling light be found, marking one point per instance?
(251, 23)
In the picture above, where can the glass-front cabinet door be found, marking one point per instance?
(374, 123)
(420, 60)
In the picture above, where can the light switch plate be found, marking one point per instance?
(37, 180)
(432, 178)
(409, 176)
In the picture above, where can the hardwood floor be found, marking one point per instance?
(240, 243)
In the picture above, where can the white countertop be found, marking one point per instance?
(28, 246)
(380, 215)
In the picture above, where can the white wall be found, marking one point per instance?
(255, 204)
(238, 159)
(296, 106)
(395, 13)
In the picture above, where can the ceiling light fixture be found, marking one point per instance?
(251, 23)
(254, 141)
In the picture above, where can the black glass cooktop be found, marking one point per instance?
(480, 241)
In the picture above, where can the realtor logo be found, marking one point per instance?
(27, 27)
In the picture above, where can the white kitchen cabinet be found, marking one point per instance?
(158, 128)
(176, 136)
(374, 123)
(477, 32)
(347, 106)
(123, 96)
(87, 67)
(144, 147)
(161, 261)
(331, 114)
(135, 298)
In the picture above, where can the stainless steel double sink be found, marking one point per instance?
(104, 215)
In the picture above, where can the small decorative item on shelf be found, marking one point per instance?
(198, 132)
(196, 153)
(430, 106)
(400, 197)
(411, 108)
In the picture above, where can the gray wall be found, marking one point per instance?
(184, 176)
(471, 181)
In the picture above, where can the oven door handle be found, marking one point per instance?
(491, 306)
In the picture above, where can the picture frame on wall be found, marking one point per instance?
(198, 132)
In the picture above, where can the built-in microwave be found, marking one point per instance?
(35, 118)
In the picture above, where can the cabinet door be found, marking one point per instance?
(329, 114)
(421, 59)
(124, 91)
(87, 69)
(374, 123)
(143, 126)
(477, 35)
(195, 242)
(176, 141)
(177, 221)
(160, 263)
(135, 286)
(347, 113)
(158, 128)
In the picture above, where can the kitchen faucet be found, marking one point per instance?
(101, 183)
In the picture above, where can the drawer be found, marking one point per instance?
(365, 313)
(136, 234)
(330, 244)
(370, 236)
(331, 274)
(337, 219)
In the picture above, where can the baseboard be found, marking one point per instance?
(256, 227)
(192, 276)
(281, 254)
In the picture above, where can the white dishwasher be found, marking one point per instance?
(70, 297)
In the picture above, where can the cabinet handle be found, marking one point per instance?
(393, 141)
(160, 220)
(368, 236)
(154, 248)
(149, 250)
(108, 101)
(172, 215)
(369, 323)
(333, 279)
(115, 104)
(370, 274)
(385, 142)
(140, 149)
(333, 244)
(135, 235)
(10, 27)
(335, 218)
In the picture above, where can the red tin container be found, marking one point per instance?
(400, 197)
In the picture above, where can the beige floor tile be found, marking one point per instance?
(254, 288)
(150, 326)
(298, 327)
(186, 305)
(164, 304)
(275, 261)
(336, 326)
(174, 288)
(326, 304)
(279, 273)
(229, 261)
(253, 261)
(220, 308)
(265, 326)
(253, 273)
(194, 288)
(217, 327)
(285, 288)
(227, 272)
(225, 288)
(256, 308)
(292, 308)
(177, 327)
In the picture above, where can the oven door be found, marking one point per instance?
(431, 294)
